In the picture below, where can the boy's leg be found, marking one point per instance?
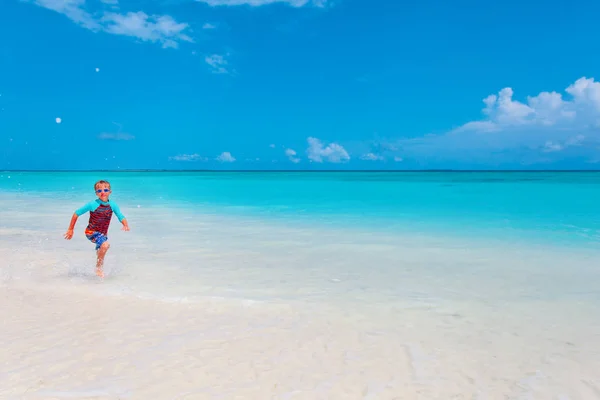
(100, 263)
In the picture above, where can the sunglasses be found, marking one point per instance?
(102, 190)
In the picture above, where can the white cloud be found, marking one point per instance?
(586, 93)
(225, 157)
(115, 136)
(547, 109)
(161, 29)
(272, 146)
(72, 9)
(291, 155)
(553, 146)
(218, 63)
(258, 3)
(188, 157)
(371, 157)
(547, 126)
(333, 152)
(398, 159)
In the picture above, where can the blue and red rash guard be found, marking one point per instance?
(100, 215)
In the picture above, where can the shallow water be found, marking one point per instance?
(542, 207)
(509, 310)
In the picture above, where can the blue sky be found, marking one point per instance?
(299, 84)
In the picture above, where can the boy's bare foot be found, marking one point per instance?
(100, 264)
(100, 268)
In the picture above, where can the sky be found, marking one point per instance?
(299, 84)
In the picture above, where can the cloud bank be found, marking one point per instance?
(259, 3)
(545, 128)
(546, 110)
(162, 29)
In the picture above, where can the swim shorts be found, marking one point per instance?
(96, 237)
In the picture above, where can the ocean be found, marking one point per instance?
(499, 268)
(548, 207)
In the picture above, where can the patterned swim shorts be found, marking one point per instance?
(96, 237)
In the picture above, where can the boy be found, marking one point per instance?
(101, 211)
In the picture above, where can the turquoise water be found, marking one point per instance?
(540, 207)
(492, 277)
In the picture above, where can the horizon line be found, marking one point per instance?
(296, 170)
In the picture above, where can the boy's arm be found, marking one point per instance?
(120, 215)
(91, 206)
(88, 207)
(73, 221)
(69, 233)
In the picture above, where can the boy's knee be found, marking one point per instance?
(105, 246)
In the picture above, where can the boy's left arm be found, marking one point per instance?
(120, 216)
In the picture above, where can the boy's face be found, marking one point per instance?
(102, 191)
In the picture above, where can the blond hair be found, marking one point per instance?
(101, 182)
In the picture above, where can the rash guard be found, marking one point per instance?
(100, 215)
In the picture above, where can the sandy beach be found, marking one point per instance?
(77, 346)
(59, 345)
(221, 308)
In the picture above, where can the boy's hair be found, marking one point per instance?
(100, 182)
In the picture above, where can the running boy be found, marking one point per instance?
(101, 211)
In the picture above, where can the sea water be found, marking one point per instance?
(473, 259)
(549, 207)
(369, 224)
